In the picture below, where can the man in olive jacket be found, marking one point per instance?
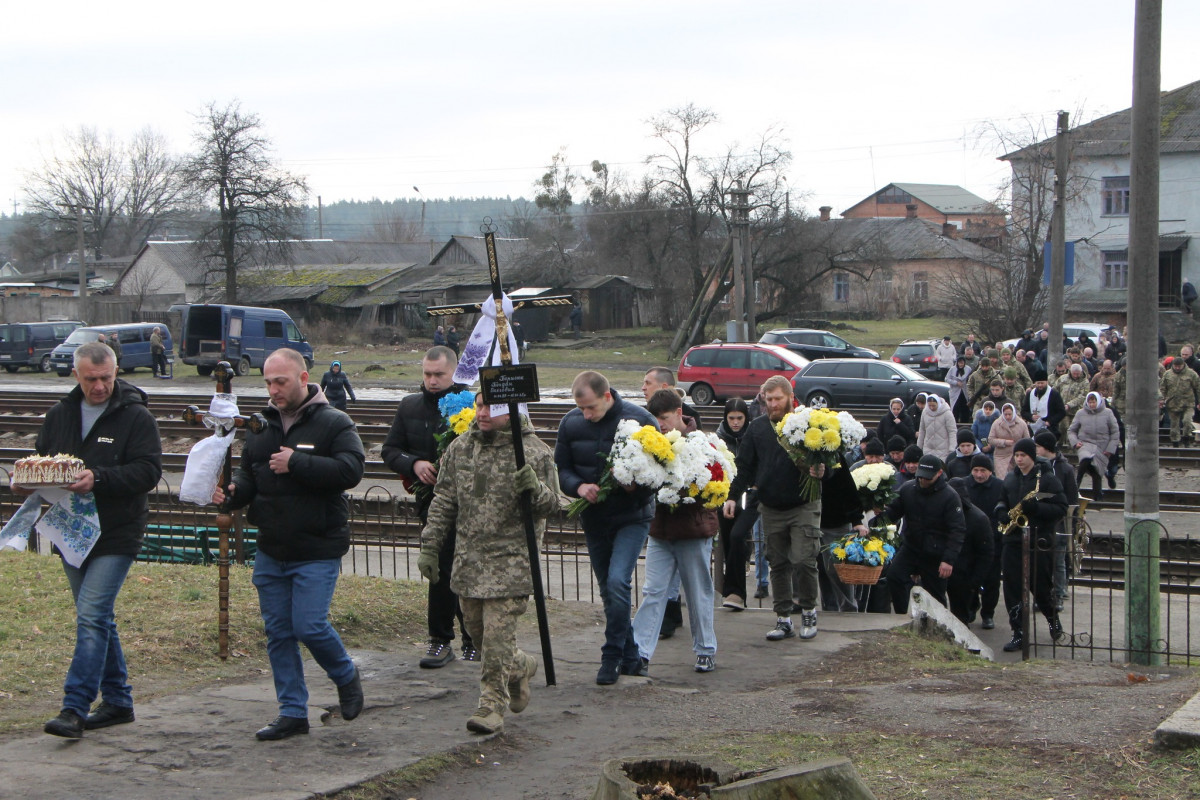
(477, 499)
(105, 422)
(293, 476)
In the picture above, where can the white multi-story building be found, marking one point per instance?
(1097, 220)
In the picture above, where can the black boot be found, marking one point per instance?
(350, 697)
(672, 619)
(1017, 642)
(1056, 629)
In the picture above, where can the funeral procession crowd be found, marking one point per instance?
(967, 472)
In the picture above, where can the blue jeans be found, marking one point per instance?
(294, 597)
(614, 550)
(760, 555)
(687, 561)
(98, 664)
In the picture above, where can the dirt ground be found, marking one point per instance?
(1066, 719)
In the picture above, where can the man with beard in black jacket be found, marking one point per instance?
(294, 475)
(934, 530)
(975, 558)
(411, 450)
(1042, 510)
(103, 421)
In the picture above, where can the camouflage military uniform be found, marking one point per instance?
(475, 496)
(977, 385)
(1023, 378)
(1074, 392)
(1181, 393)
(1119, 384)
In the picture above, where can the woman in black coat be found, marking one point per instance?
(336, 386)
(897, 423)
(735, 530)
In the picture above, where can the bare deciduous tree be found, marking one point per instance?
(259, 207)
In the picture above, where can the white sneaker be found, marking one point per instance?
(808, 624)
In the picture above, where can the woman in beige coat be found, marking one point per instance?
(938, 433)
(1005, 433)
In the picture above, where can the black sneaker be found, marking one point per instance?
(470, 653)
(107, 714)
(609, 672)
(1112, 481)
(67, 724)
(760, 593)
(438, 655)
(636, 669)
(782, 630)
(988, 623)
(350, 697)
(1015, 644)
(705, 664)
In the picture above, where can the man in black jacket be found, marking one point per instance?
(934, 529)
(105, 422)
(293, 476)
(791, 523)
(986, 491)
(974, 560)
(615, 526)
(411, 450)
(1047, 449)
(1043, 510)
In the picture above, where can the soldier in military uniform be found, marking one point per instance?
(477, 494)
(1074, 388)
(1180, 388)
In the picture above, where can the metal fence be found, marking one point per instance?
(385, 542)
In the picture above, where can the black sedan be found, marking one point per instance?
(843, 382)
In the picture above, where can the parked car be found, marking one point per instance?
(711, 372)
(29, 344)
(133, 336)
(918, 355)
(242, 335)
(814, 344)
(1072, 330)
(840, 382)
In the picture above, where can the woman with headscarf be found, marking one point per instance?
(336, 385)
(1005, 433)
(1095, 436)
(897, 423)
(938, 433)
(957, 378)
(981, 425)
(735, 530)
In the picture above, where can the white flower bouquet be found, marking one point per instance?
(640, 456)
(876, 484)
(701, 471)
(814, 436)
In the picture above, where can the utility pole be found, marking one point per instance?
(320, 219)
(741, 324)
(83, 287)
(418, 191)
(1142, 607)
(1058, 245)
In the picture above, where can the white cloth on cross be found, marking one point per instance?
(484, 341)
(206, 459)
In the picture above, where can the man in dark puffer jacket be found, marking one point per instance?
(617, 526)
(411, 450)
(293, 476)
(105, 422)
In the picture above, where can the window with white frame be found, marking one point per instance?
(1114, 196)
(920, 286)
(841, 287)
(1116, 269)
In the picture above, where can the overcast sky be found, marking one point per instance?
(471, 98)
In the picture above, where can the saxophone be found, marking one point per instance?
(1016, 516)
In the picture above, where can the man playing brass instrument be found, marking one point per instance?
(1035, 494)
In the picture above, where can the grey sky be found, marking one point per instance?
(471, 98)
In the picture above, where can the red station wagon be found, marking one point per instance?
(711, 372)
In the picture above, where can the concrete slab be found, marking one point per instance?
(1181, 729)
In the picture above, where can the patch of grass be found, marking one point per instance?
(167, 618)
(953, 766)
(402, 782)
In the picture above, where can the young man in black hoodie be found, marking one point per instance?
(411, 450)
(934, 529)
(105, 422)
